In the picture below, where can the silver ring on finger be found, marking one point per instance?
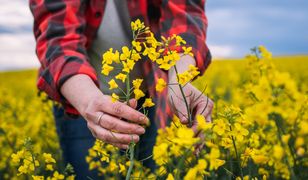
(99, 118)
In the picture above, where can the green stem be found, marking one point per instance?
(237, 155)
(184, 97)
(131, 159)
(132, 144)
(127, 89)
(293, 176)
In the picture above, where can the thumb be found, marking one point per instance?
(132, 103)
(182, 113)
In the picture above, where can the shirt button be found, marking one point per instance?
(98, 14)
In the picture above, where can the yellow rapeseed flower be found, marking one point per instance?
(184, 78)
(187, 50)
(37, 177)
(299, 141)
(259, 158)
(135, 56)
(48, 158)
(106, 69)
(185, 137)
(239, 132)
(49, 167)
(128, 65)
(122, 168)
(121, 77)
(265, 53)
(219, 126)
(151, 53)
(137, 83)
(57, 176)
(160, 85)
(125, 53)
(109, 57)
(170, 177)
(226, 142)
(300, 151)
(16, 157)
(137, 25)
(202, 124)
(112, 84)
(179, 40)
(137, 45)
(278, 152)
(202, 164)
(148, 103)
(215, 163)
(114, 97)
(159, 153)
(191, 174)
(193, 70)
(138, 94)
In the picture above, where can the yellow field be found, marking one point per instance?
(23, 114)
(224, 73)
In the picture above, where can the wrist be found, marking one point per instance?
(79, 90)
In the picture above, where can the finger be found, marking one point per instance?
(124, 111)
(119, 145)
(132, 103)
(117, 125)
(178, 108)
(183, 117)
(194, 127)
(198, 149)
(181, 112)
(204, 107)
(209, 117)
(200, 145)
(112, 137)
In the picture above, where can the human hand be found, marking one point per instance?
(105, 120)
(197, 102)
(112, 122)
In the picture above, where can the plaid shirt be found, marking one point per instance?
(64, 30)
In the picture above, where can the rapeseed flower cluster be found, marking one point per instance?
(145, 46)
(261, 136)
(29, 163)
(259, 128)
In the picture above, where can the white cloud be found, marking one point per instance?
(17, 51)
(221, 51)
(15, 14)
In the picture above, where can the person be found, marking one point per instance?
(70, 38)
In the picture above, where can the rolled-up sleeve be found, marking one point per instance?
(187, 18)
(60, 45)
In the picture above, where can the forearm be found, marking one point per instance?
(181, 65)
(79, 90)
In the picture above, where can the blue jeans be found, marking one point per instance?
(75, 140)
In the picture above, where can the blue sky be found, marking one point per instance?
(234, 27)
(237, 25)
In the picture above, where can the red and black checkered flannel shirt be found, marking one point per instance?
(64, 30)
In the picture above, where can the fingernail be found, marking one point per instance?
(140, 130)
(141, 118)
(148, 122)
(144, 118)
(136, 138)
